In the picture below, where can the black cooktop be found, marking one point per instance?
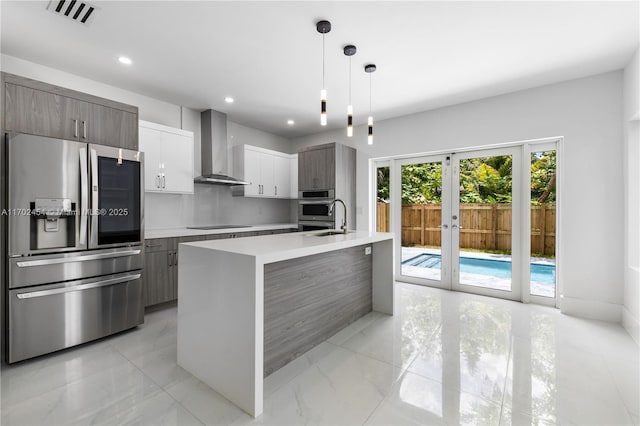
(204, 227)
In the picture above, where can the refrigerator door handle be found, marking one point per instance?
(85, 258)
(93, 234)
(101, 283)
(84, 196)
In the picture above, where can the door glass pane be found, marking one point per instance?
(543, 223)
(118, 201)
(485, 221)
(382, 199)
(421, 220)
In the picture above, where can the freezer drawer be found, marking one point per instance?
(48, 318)
(51, 268)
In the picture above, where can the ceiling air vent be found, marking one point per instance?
(79, 11)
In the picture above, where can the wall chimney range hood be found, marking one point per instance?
(213, 150)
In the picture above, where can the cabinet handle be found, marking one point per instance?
(276, 189)
(157, 181)
(163, 181)
(170, 258)
(175, 258)
(75, 132)
(84, 129)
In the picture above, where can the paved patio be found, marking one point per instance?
(476, 280)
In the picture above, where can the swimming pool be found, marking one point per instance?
(494, 268)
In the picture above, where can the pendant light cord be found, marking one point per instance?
(323, 61)
(370, 93)
(349, 80)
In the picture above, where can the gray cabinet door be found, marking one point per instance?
(317, 169)
(110, 126)
(157, 278)
(40, 113)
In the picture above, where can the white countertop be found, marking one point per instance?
(184, 232)
(274, 248)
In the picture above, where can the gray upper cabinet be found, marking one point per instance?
(111, 126)
(42, 109)
(317, 168)
(40, 113)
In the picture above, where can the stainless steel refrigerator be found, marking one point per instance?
(75, 226)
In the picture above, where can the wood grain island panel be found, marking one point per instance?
(309, 299)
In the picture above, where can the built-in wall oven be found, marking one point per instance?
(314, 210)
(75, 233)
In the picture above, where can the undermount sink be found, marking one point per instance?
(328, 233)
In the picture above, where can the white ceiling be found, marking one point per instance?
(267, 55)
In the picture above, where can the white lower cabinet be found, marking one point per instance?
(268, 172)
(168, 158)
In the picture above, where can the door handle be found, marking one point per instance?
(71, 259)
(96, 284)
(84, 196)
(84, 129)
(445, 226)
(75, 132)
(456, 226)
(93, 234)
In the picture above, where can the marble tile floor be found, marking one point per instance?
(444, 358)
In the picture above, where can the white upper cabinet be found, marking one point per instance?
(282, 176)
(268, 172)
(252, 173)
(168, 158)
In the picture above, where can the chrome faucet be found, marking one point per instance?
(344, 219)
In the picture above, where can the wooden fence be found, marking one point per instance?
(484, 226)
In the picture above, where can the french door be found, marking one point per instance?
(459, 222)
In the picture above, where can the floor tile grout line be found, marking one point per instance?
(81, 378)
(163, 390)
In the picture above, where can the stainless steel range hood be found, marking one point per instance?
(213, 150)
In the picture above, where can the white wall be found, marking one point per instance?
(631, 125)
(209, 204)
(586, 112)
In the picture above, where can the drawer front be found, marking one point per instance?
(192, 238)
(160, 244)
(32, 270)
(48, 318)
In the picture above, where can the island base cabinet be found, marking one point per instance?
(309, 299)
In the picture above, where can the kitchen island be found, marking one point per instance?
(247, 307)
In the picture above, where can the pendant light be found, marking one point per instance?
(349, 50)
(370, 68)
(323, 28)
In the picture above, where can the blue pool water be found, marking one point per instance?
(493, 268)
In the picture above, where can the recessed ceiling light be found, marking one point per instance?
(291, 122)
(124, 60)
(228, 100)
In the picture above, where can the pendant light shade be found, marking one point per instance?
(323, 27)
(349, 51)
(370, 69)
